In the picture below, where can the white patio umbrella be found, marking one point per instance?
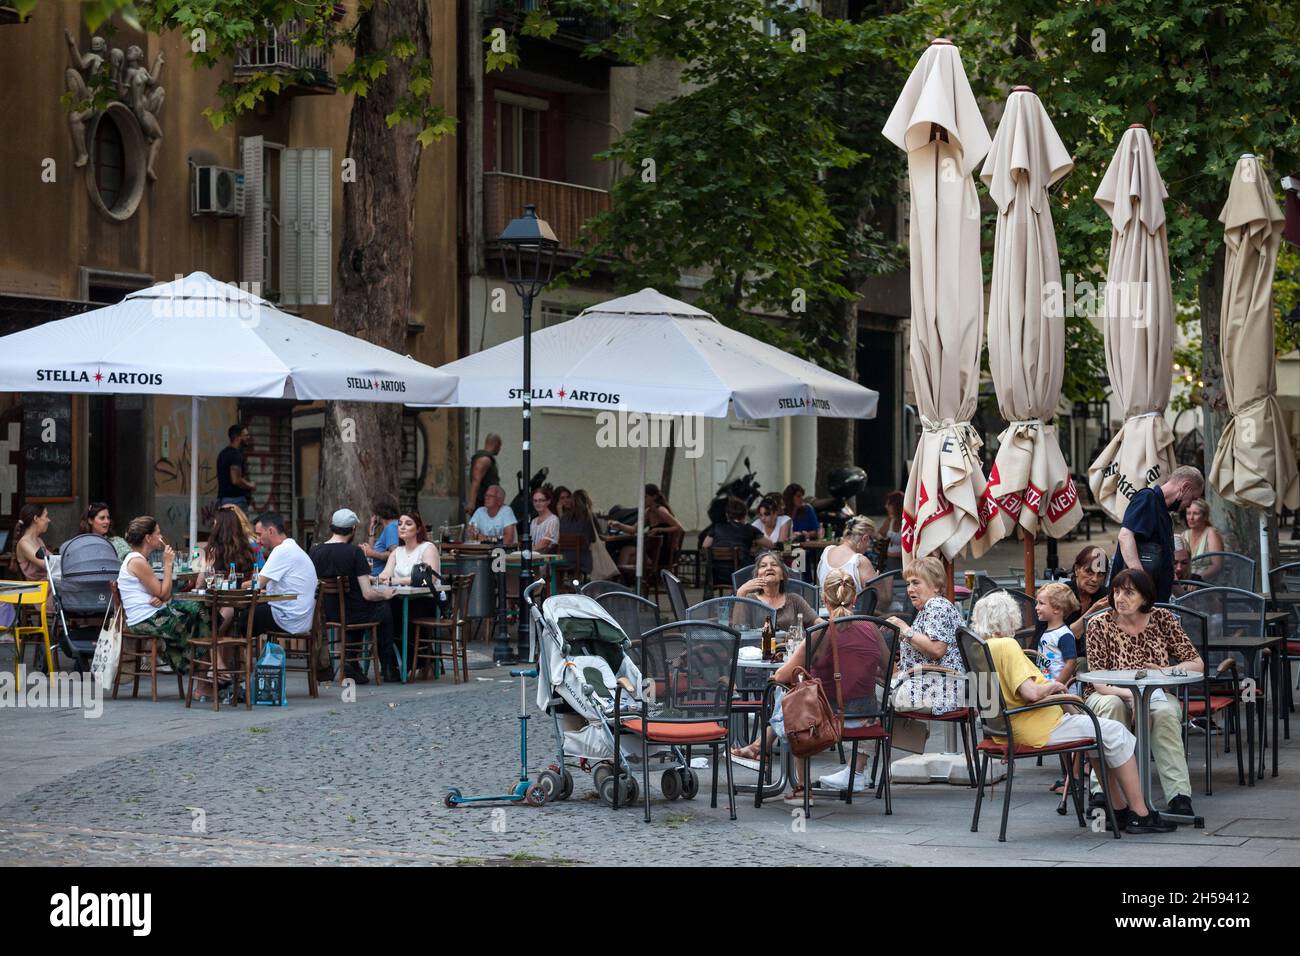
(938, 123)
(1029, 480)
(1252, 465)
(652, 354)
(200, 337)
(1138, 325)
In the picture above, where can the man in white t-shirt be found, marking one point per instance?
(288, 570)
(495, 519)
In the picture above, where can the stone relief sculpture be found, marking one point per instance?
(132, 83)
(145, 97)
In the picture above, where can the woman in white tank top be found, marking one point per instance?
(413, 547)
(849, 555)
(147, 601)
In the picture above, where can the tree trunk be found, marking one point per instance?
(1239, 526)
(360, 441)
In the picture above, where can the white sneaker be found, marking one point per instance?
(840, 781)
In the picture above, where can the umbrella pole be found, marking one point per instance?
(1266, 588)
(194, 473)
(640, 523)
(1029, 539)
(949, 587)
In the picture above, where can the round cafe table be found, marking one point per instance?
(1143, 687)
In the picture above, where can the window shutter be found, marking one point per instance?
(305, 246)
(253, 225)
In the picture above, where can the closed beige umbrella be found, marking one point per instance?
(937, 121)
(1138, 325)
(1253, 465)
(1030, 482)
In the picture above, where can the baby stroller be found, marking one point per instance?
(87, 563)
(583, 655)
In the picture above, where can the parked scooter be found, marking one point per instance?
(844, 484)
(745, 488)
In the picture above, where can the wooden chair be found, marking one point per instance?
(653, 542)
(135, 649)
(302, 647)
(429, 649)
(215, 643)
(354, 652)
(719, 564)
(571, 548)
(665, 559)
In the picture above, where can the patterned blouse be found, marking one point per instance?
(937, 620)
(1163, 639)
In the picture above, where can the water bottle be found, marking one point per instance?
(230, 578)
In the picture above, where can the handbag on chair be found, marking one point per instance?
(603, 567)
(811, 726)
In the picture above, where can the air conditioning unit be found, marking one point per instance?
(217, 191)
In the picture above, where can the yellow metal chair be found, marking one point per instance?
(32, 597)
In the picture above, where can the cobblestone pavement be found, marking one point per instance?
(364, 783)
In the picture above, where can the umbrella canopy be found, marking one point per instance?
(652, 354)
(1030, 481)
(646, 352)
(1253, 465)
(198, 336)
(1138, 325)
(938, 123)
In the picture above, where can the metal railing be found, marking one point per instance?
(279, 51)
(566, 206)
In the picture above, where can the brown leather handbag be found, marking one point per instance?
(811, 726)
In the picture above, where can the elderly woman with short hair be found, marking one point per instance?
(931, 639)
(995, 620)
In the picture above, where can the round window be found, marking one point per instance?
(115, 174)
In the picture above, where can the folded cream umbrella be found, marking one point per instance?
(1030, 482)
(1253, 465)
(1138, 324)
(937, 121)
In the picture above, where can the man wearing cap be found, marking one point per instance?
(340, 558)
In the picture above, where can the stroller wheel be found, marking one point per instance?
(566, 784)
(671, 784)
(551, 783)
(627, 793)
(536, 796)
(690, 783)
(631, 787)
(602, 772)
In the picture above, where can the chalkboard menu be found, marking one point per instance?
(47, 447)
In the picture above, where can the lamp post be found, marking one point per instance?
(528, 247)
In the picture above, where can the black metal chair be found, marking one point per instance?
(720, 563)
(1027, 634)
(594, 589)
(891, 595)
(741, 575)
(1203, 702)
(996, 721)
(1285, 579)
(1225, 569)
(698, 662)
(676, 594)
(868, 598)
(634, 614)
(870, 709)
(806, 590)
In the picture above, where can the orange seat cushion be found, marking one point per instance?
(666, 732)
(870, 732)
(961, 714)
(1196, 708)
(1024, 750)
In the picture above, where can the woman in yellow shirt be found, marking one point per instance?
(1022, 684)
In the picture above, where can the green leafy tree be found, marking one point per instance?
(393, 116)
(1211, 79)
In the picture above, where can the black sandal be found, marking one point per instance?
(1058, 787)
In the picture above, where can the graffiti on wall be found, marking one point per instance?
(172, 440)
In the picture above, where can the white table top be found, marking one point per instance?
(1128, 678)
(407, 590)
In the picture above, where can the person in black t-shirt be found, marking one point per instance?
(233, 486)
(735, 532)
(1146, 539)
(340, 558)
(483, 472)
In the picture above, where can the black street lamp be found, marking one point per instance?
(528, 247)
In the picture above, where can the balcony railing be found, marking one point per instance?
(565, 206)
(279, 53)
(582, 29)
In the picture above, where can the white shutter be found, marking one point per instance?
(253, 225)
(289, 226)
(321, 247)
(306, 261)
